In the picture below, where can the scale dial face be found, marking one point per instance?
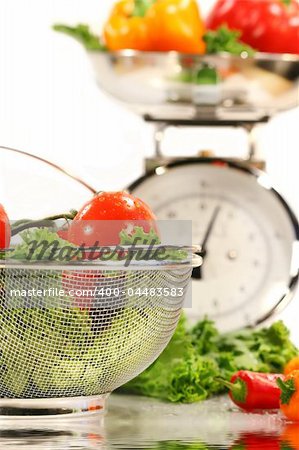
(247, 271)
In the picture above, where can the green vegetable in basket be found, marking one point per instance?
(50, 355)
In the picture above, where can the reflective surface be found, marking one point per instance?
(177, 86)
(141, 423)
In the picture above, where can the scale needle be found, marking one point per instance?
(197, 272)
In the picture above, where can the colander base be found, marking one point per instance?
(52, 407)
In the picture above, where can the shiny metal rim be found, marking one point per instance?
(259, 56)
(193, 259)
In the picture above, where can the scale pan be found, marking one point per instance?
(179, 86)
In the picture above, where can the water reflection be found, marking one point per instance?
(137, 423)
(54, 434)
(54, 440)
(290, 437)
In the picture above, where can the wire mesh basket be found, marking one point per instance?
(69, 335)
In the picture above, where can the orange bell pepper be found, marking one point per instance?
(155, 25)
(292, 365)
(176, 25)
(289, 400)
(123, 30)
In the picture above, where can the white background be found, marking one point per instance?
(50, 106)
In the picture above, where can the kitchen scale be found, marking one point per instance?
(248, 233)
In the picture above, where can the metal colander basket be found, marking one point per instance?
(69, 332)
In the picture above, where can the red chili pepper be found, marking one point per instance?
(252, 390)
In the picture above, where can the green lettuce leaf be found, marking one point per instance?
(41, 244)
(83, 34)
(226, 40)
(140, 237)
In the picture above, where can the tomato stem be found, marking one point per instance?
(23, 225)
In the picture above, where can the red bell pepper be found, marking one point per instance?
(267, 25)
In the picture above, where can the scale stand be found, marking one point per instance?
(161, 125)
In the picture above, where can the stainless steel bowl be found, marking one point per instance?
(178, 86)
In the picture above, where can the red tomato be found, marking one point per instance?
(267, 25)
(5, 230)
(101, 219)
(99, 223)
